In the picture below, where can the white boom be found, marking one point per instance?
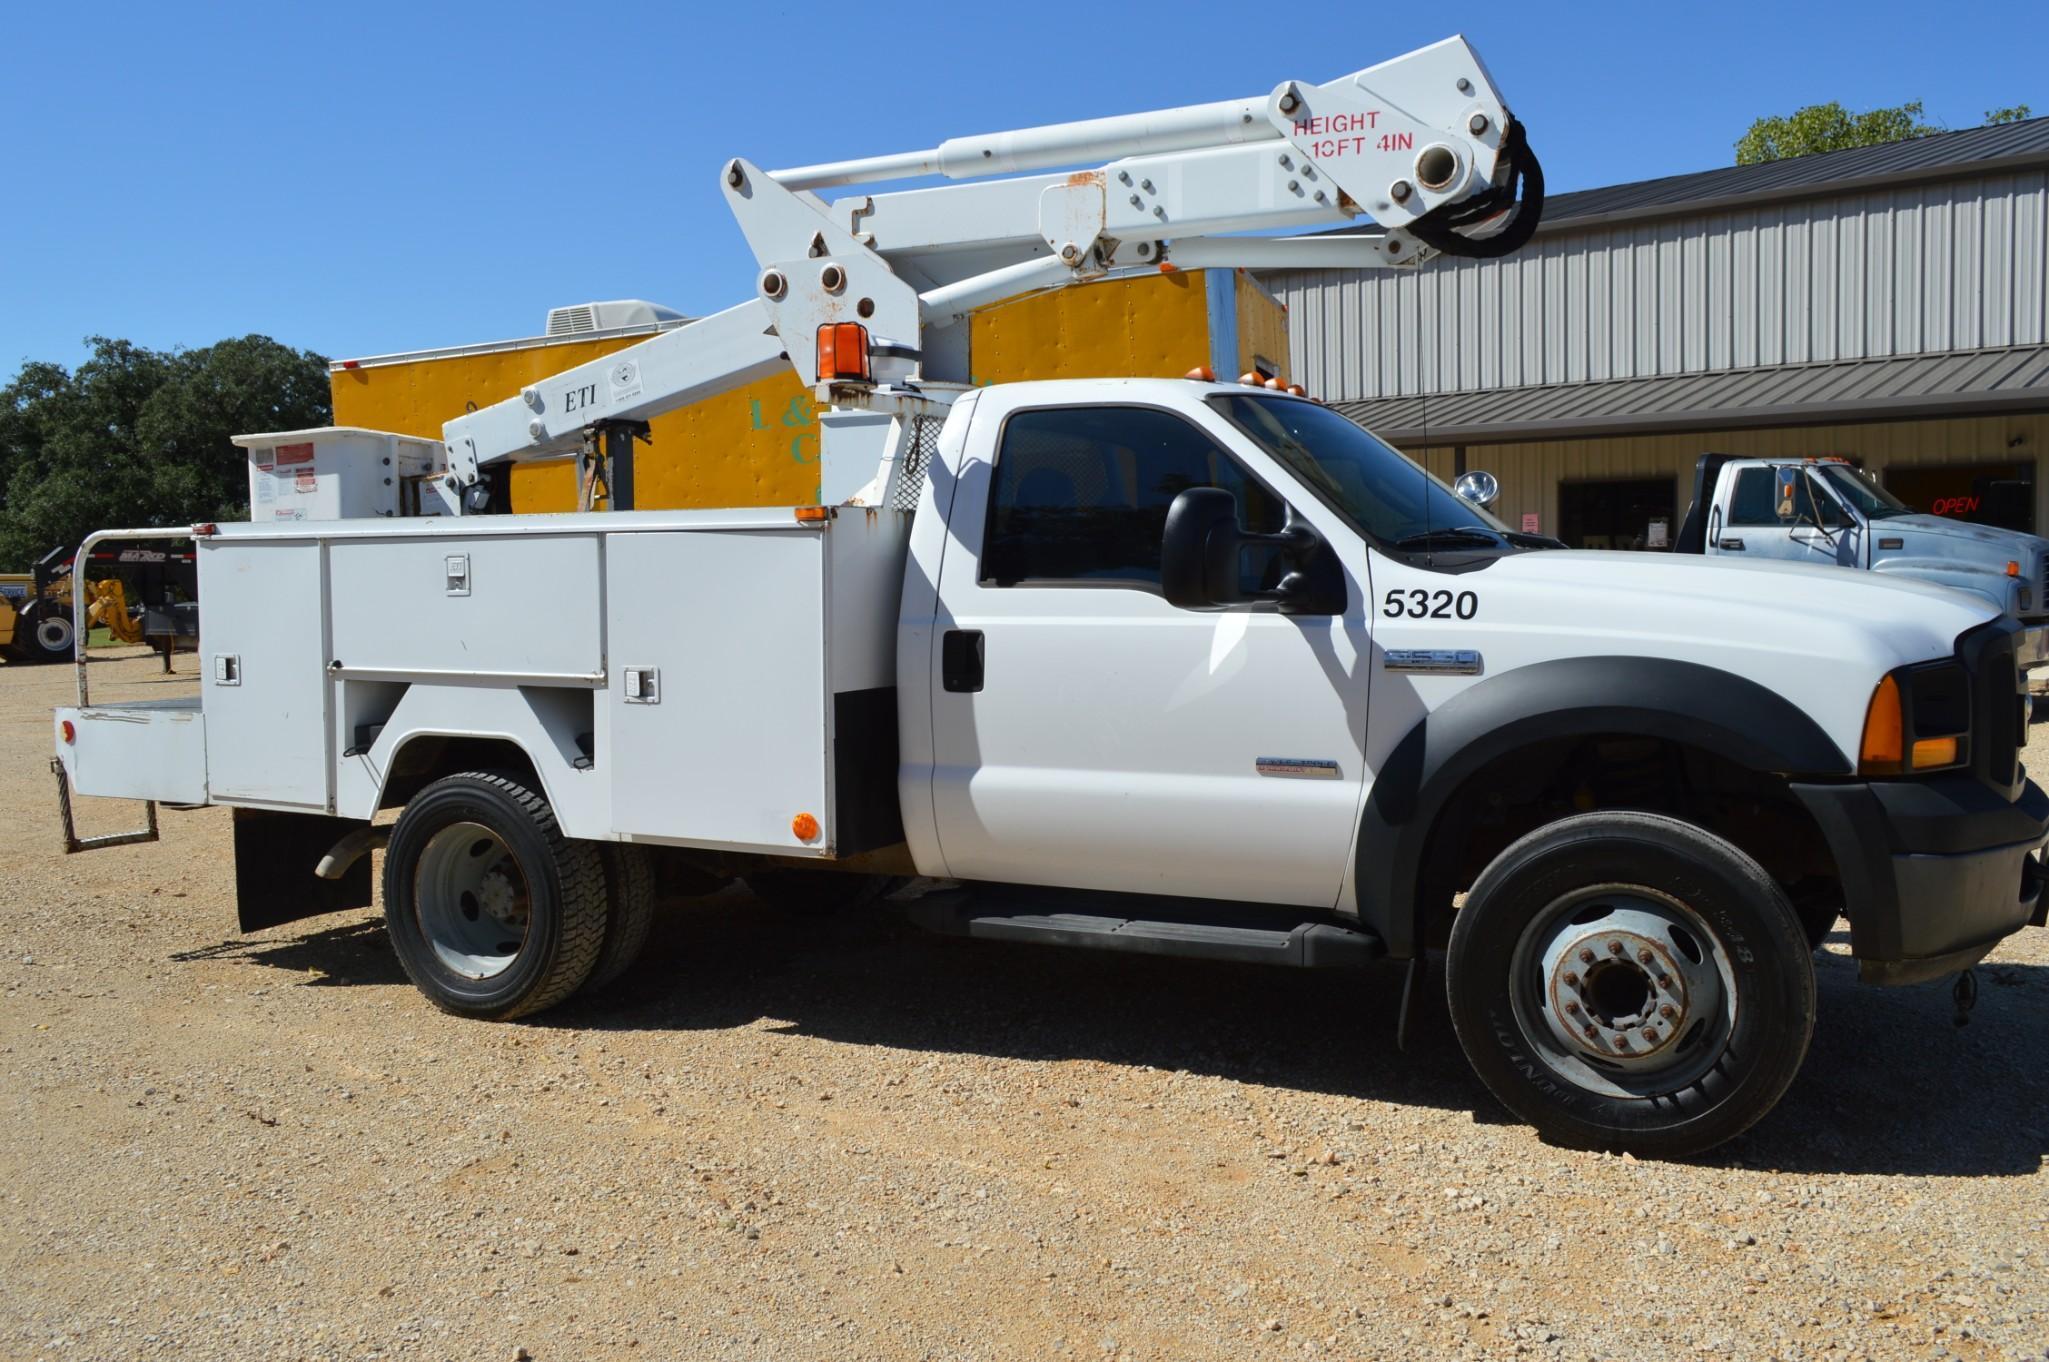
(1423, 144)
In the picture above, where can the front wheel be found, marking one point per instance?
(1630, 981)
(492, 911)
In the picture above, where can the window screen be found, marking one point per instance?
(1082, 493)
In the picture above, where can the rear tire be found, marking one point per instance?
(492, 911)
(44, 634)
(630, 913)
(1679, 1040)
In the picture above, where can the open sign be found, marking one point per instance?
(1954, 505)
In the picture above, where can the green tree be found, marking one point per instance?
(2012, 114)
(1829, 127)
(136, 436)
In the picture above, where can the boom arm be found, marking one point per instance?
(1422, 143)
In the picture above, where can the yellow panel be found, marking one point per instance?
(754, 446)
(758, 445)
(1262, 329)
(1147, 326)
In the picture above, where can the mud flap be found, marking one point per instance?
(274, 858)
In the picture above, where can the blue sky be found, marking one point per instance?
(363, 178)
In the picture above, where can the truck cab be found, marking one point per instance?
(1826, 511)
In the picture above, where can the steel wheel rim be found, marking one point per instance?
(53, 634)
(472, 901)
(1647, 1020)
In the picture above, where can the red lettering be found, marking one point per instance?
(1322, 125)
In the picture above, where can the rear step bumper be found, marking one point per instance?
(1199, 928)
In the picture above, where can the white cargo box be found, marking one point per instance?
(338, 473)
(718, 679)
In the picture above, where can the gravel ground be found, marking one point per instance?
(775, 1140)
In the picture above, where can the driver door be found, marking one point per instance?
(1773, 514)
(1088, 734)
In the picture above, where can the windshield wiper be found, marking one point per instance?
(1456, 533)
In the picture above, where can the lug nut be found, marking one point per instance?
(1664, 981)
(1668, 1012)
(1572, 1009)
(1592, 1030)
(1586, 957)
(1616, 948)
(1644, 957)
(1650, 1035)
(1622, 1042)
(1571, 979)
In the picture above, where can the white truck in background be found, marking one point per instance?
(1172, 666)
(1828, 512)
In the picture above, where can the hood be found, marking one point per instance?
(1750, 602)
(1921, 526)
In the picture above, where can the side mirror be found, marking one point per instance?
(1478, 487)
(1202, 556)
(1786, 495)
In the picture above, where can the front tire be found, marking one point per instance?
(493, 912)
(1628, 981)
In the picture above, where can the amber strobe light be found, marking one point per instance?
(1883, 751)
(843, 353)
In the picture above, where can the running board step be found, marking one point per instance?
(1149, 925)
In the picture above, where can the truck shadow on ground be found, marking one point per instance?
(1891, 1085)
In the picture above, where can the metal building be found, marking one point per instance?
(1887, 303)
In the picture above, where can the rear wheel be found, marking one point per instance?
(629, 912)
(493, 912)
(45, 634)
(1630, 981)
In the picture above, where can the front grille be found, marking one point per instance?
(2000, 716)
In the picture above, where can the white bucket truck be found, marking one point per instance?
(1182, 667)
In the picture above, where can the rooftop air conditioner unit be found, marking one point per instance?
(584, 318)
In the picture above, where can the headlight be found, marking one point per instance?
(1919, 720)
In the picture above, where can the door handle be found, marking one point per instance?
(1732, 546)
(960, 660)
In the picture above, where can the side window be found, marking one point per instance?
(1752, 502)
(1081, 495)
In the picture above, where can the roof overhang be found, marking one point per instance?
(1906, 387)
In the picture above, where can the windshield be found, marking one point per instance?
(1381, 492)
(1866, 496)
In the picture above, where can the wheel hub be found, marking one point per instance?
(1629, 985)
(471, 900)
(1616, 993)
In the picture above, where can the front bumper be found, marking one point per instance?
(2031, 647)
(1935, 872)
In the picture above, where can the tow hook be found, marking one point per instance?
(1965, 995)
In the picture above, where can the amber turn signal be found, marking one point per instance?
(1930, 753)
(805, 826)
(1883, 751)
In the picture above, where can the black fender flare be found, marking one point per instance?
(1648, 697)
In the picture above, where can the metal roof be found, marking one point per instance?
(1943, 155)
(1973, 382)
